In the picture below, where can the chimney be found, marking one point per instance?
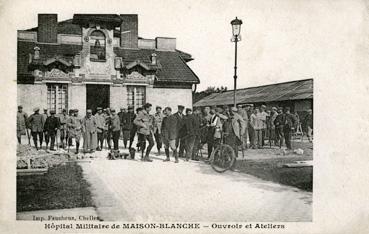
(129, 31)
(47, 28)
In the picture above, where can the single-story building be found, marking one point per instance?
(298, 95)
(98, 60)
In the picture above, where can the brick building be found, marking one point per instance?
(98, 60)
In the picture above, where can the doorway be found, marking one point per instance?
(97, 96)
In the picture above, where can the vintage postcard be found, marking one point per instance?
(184, 116)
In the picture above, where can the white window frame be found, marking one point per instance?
(134, 97)
(57, 99)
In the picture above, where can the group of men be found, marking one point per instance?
(182, 133)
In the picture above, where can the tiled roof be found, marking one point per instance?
(293, 90)
(173, 67)
(46, 51)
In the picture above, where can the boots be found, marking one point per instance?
(167, 154)
(147, 159)
(77, 148)
(175, 156)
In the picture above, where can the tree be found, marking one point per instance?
(209, 90)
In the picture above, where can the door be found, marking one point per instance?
(97, 96)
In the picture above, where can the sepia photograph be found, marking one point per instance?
(104, 113)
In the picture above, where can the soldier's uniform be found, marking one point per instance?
(36, 123)
(63, 127)
(21, 123)
(75, 129)
(158, 119)
(51, 127)
(89, 125)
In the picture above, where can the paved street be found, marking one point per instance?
(188, 191)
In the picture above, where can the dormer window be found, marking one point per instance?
(153, 59)
(37, 53)
(97, 46)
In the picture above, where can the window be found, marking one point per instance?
(136, 96)
(57, 97)
(97, 46)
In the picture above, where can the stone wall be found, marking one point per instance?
(118, 97)
(169, 97)
(77, 98)
(31, 96)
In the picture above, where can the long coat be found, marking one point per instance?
(180, 125)
(192, 125)
(89, 129)
(36, 122)
(238, 125)
(21, 123)
(52, 123)
(169, 128)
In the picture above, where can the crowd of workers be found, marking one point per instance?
(182, 133)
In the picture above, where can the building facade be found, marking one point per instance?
(98, 60)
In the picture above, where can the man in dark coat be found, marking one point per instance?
(200, 125)
(21, 124)
(129, 129)
(169, 133)
(114, 126)
(191, 129)
(279, 123)
(36, 123)
(180, 131)
(52, 124)
(308, 124)
(289, 124)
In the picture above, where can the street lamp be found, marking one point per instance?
(236, 29)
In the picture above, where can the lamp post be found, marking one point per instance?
(236, 29)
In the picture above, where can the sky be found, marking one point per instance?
(281, 40)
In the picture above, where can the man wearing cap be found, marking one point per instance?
(143, 123)
(108, 133)
(279, 123)
(169, 134)
(158, 119)
(114, 127)
(121, 114)
(271, 126)
(69, 138)
(89, 132)
(128, 127)
(192, 130)
(199, 124)
(74, 125)
(45, 135)
(243, 113)
(63, 127)
(289, 124)
(263, 117)
(308, 124)
(100, 127)
(21, 124)
(36, 124)
(51, 127)
(234, 129)
(180, 131)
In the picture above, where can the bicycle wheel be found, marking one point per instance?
(222, 158)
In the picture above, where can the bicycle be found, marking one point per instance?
(223, 157)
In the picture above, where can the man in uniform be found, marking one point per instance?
(243, 113)
(192, 131)
(36, 123)
(121, 114)
(45, 135)
(308, 124)
(279, 123)
(75, 128)
(51, 127)
(180, 131)
(108, 133)
(234, 129)
(100, 128)
(158, 118)
(63, 127)
(169, 134)
(143, 123)
(200, 124)
(263, 117)
(114, 126)
(89, 132)
(128, 127)
(21, 124)
(289, 124)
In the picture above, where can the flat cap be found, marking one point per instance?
(36, 109)
(52, 112)
(234, 109)
(180, 107)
